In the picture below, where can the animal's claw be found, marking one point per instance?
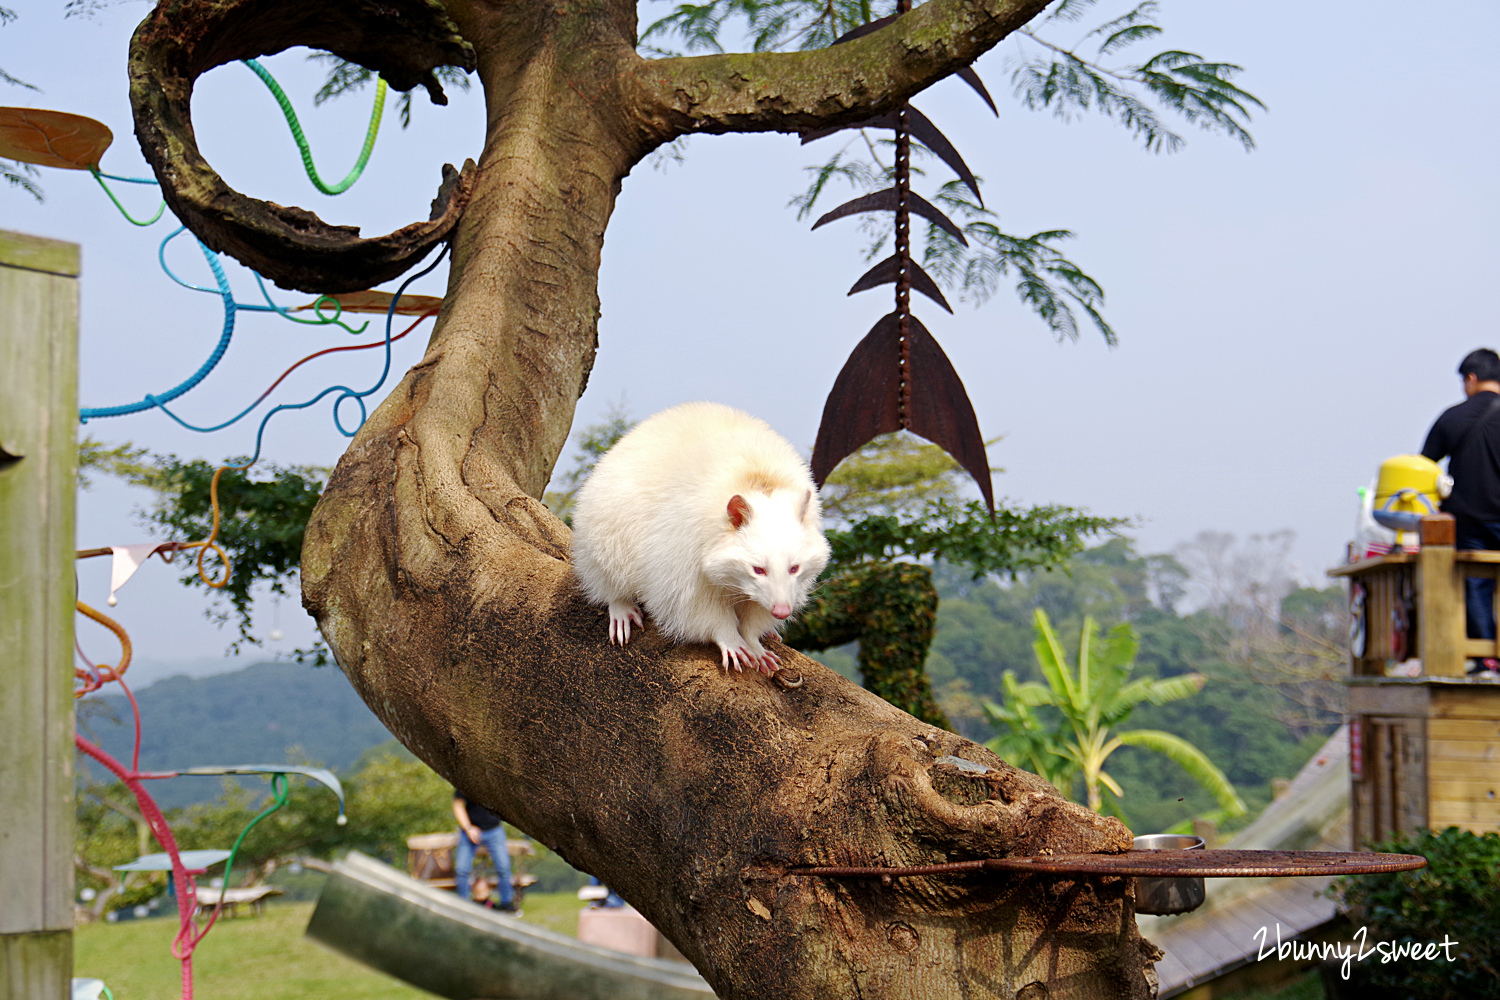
(621, 616)
(765, 661)
(735, 658)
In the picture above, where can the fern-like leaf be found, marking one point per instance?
(345, 77)
(1124, 31)
(1070, 10)
(23, 176)
(772, 25)
(857, 172)
(1201, 92)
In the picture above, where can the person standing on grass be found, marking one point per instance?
(476, 826)
(1468, 435)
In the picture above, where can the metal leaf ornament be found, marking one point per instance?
(897, 377)
(52, 138)
(371, 301)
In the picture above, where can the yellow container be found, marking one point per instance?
(1412, 480)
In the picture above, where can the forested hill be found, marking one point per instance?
(271, 712)
(1272, 654)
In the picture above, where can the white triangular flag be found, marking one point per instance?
(128, 559)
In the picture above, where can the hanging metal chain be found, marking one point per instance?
(865, 401)
(903, 247)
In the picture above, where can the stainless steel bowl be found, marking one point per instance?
(1159, 896)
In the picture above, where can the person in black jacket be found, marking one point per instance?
(1468, 435)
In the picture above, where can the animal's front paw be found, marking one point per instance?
(736, 657)
(769, 662)
(622, 614)
(741, 652)
(765, 661)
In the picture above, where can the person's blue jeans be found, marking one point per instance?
(463, 862)
(1479, 594)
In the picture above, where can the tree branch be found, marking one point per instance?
(403, 40)
(842, 84)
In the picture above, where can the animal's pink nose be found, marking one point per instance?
(782, 610)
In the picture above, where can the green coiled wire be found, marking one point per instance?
(301, 140)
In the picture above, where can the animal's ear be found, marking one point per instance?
(806, 504)
(739, 511)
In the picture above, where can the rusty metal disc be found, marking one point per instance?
(1168, 864)
(1214, 864)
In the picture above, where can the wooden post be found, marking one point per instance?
(38, 455)
(1440, 600)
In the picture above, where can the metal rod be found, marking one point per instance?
(1163, 864)
(109, 550)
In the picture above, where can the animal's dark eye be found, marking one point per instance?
(760, 571)
(793, 570)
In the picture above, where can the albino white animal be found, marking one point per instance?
(710, 519)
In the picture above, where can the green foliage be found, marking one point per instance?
(109, 830)
(1015, 540)
(1088, 701)
(1028, 739)
(1052, 285)
(898, 499)
(21, 175)
(302, 826)
(264, 958)
(261, 520)
(856, 171)
(592, 442)
(390, 796)
(985, 626)
(773, 25)
(890, 609)
(252, 715)
(1456, 897)
(1251, 723)
(123, 461)
(260, 526)
(346, 77)
(1201, 93)
(894, 474)
(1046, 281)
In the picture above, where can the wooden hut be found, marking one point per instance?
(1424, 739)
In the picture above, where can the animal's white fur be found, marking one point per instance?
(652, 525)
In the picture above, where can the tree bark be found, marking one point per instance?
(443, 585)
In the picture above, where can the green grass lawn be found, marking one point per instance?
(556, 911)
(268, 958)
(258, 958)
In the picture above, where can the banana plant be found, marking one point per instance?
(1089, 701)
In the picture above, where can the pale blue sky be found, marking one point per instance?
(1288, 318)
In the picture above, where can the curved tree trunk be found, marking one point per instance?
(444, 589)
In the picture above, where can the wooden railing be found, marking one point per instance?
(1413, 604)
